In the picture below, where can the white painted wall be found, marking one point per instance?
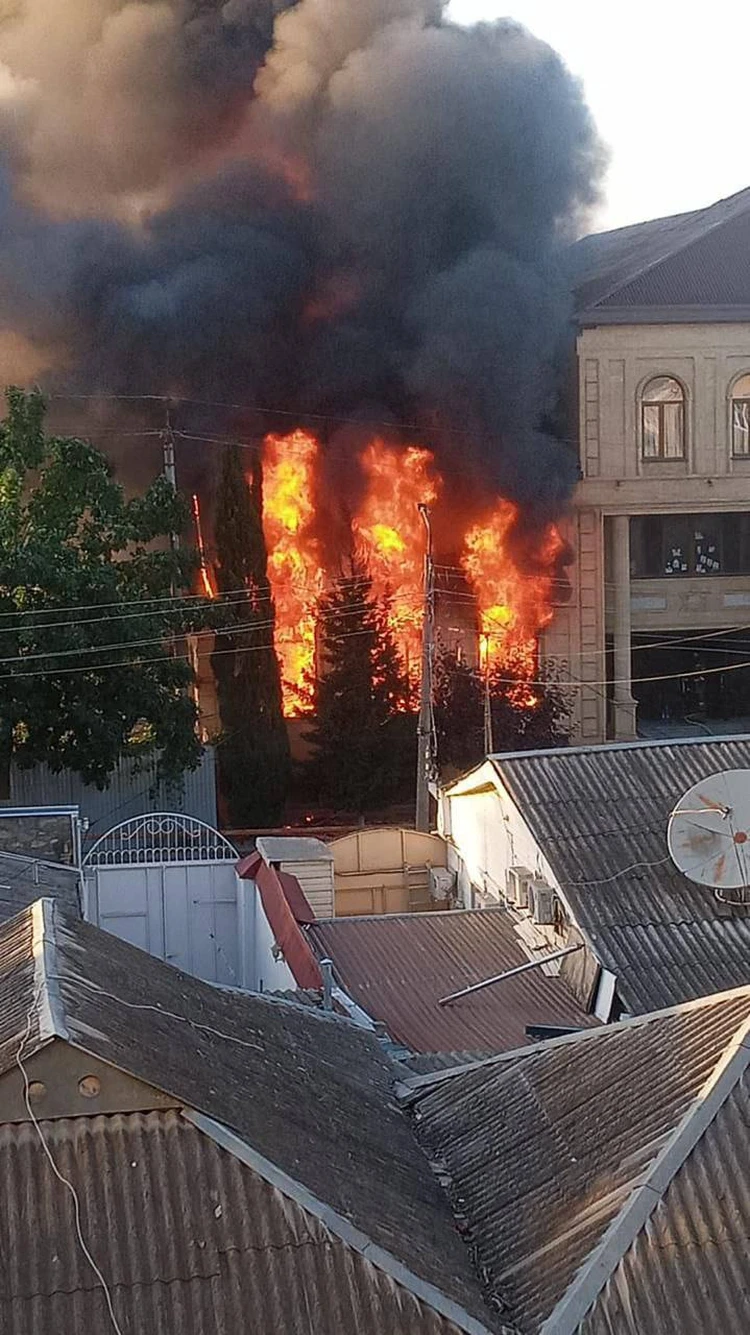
(261, 971)
(487, 834)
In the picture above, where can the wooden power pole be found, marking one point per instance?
(424, 732)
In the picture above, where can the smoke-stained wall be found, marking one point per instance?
(350, 208)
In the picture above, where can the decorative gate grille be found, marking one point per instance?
(159, 839)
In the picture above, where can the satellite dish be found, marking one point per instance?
(708, 835)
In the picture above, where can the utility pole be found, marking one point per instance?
(488, 739)
(424, 732)
(170, 473)
(170, 470)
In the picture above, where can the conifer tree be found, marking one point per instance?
(254, 760)
(363, 734)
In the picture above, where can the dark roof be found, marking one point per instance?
(24, 879)
(692, 265)
(552, 1151)
(597, 811)
(190, 1240)
(689, 1271)
(310, 1092)
(398, 966)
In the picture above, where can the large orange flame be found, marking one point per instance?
(390, 532)
(294, 565)
(207, 586)
(514, 605)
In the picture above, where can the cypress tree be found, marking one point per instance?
(254, 760)
(363, 734)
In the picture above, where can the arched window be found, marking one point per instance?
(663, 419)
(741, 418)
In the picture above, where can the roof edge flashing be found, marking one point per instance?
(47, 999)
(342, 1228)
(603, 1260)
(411, 1087)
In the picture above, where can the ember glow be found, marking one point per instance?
(294, 566)
(513, 605)
(207, 586)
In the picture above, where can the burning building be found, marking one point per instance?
(331, 230)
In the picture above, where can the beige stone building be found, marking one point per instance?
(660, 614)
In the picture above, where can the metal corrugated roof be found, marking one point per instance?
(543, 1148)
(310, 1092)
(398, 966)
(657, 262)
(189, 1240)
(597, 811)
(689, 1269)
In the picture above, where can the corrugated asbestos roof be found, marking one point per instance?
(689, 260)
(689, 1271)
(310, 1092)
(544, 1149)
(596, 811)
(190, 1241)
(397, 967)
(25, 879)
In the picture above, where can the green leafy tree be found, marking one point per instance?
(523, 718)
(254, 761)
(363, 736)
(86, 617)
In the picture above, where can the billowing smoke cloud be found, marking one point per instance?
(342, 207)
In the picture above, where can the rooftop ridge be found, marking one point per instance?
(581, 1294)
(47, 1000)
(338, 1224)
(410, 1086)
(595, 748)
(685, 244)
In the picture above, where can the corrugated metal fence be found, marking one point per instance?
(131, 792)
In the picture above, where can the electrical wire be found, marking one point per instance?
(161, 1010)
(65, 1182)
(233, 628)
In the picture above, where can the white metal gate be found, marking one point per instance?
(167, 883)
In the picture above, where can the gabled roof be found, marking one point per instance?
(693, 266)
(578, 1156)
(307, 1093)
(398, 966)
(599, 815)
(190, 1240)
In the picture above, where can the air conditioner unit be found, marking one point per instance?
(542, 903)
(517, 886)
(442, 883)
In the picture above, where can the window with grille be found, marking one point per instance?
(741, 418)
(663, 419)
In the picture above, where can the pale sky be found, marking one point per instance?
(669, 87)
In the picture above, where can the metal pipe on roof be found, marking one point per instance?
(326, 968)
(511, 973)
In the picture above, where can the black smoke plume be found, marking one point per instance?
(352, 209)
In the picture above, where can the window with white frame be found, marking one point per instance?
(663, 419)
(741, 418)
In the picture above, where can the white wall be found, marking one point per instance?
(261, 972)
(487, 835)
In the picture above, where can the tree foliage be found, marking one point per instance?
(522, 720)
(85, 610)
(363, 736)
(254, 761)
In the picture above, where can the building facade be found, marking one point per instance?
(659, 620)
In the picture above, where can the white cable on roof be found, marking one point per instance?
(60, 1176)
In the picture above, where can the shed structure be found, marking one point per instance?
(310, 861)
